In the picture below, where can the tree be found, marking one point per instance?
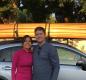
(83, 3)
(10, 9)
(37, 9)
(40, 10)
(74, 10)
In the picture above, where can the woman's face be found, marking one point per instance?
(27, 43)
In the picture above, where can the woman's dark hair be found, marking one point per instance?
(40, 29)
(24, 38)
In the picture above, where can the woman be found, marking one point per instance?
(22, 61)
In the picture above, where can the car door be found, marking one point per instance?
(68, 69)
(5, 61)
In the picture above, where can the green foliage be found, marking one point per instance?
(39, 10)
(83, 2)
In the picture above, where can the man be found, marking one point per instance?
(45, 58)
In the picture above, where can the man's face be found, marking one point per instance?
(40, 36)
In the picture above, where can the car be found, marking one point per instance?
(72, 61)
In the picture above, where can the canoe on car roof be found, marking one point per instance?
(56, 30)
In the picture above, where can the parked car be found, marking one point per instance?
(72, 61)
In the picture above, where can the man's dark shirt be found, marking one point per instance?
(45, 62)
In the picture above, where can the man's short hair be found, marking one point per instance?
(40, 29)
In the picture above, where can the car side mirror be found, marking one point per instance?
(81, 64)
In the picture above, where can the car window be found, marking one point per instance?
(67, 56)
(6, 54)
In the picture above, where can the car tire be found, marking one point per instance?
(2, 78)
